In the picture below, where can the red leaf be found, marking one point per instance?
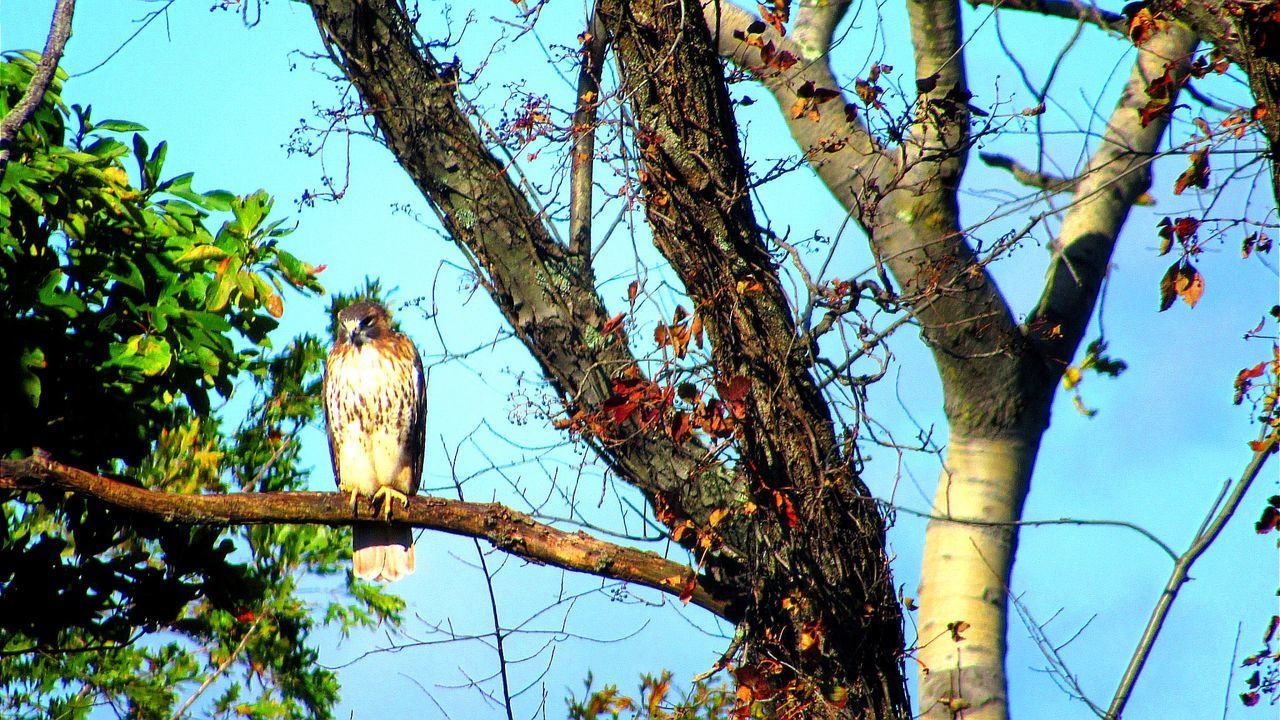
(686, 592)
(612, 325)
(620, 408)
(633, 290)
(1268, 522)
(786, 508)
(1185, 227)
(734, 392)
(680, 427)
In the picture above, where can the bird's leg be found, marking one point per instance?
(355, 494)
(389, 495)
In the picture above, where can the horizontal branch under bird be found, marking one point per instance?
(507, 529)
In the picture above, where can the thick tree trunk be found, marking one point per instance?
(821, 630)
(968, 555)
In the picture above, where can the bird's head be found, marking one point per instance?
(361, 322)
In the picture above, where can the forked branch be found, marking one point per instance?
(1182, 570)
(509, 530)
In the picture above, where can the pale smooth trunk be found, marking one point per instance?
(965, 576)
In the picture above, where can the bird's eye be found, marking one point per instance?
(366, 322)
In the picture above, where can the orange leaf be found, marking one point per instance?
(717, 516)
(1189, 285)
(1195, 176)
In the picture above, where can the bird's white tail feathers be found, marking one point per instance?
(382, 552)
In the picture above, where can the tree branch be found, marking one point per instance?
(1069, 9)
(582, 160)
(838, 146)
(509, 530)
(1049, 183)
(1246, 32)
(59, 32)
(817, 537)
(1118, 174)
(815, 25)
(1181, 573)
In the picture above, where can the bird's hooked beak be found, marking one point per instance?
(355, 335)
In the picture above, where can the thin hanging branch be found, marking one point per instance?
(59, 31)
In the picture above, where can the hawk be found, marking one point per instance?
(375, 411)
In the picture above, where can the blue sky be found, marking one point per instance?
(1166, 438)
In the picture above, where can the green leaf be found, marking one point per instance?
(202, 252)
(151, 169)
(154, 355)
(31, 358)
(119, 126)
(219, 293)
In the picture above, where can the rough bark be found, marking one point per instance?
(822, 608)
(19, 114)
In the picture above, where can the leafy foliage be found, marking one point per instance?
(124, 316)
(702, 701)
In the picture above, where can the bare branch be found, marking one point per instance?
(1069, 9)
(582, 160)
(1242, 33)
(509, 530)
(59, 31)
(217, 673)
(1044, 181)
(1181, 573)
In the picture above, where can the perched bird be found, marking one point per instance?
(375, 410)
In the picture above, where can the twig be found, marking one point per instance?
(1181, 570)
(1044, 181)
(1064, 9)
(222, 668)
(499, 636)
(59, 31)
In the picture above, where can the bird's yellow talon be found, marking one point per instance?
(388, 496)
